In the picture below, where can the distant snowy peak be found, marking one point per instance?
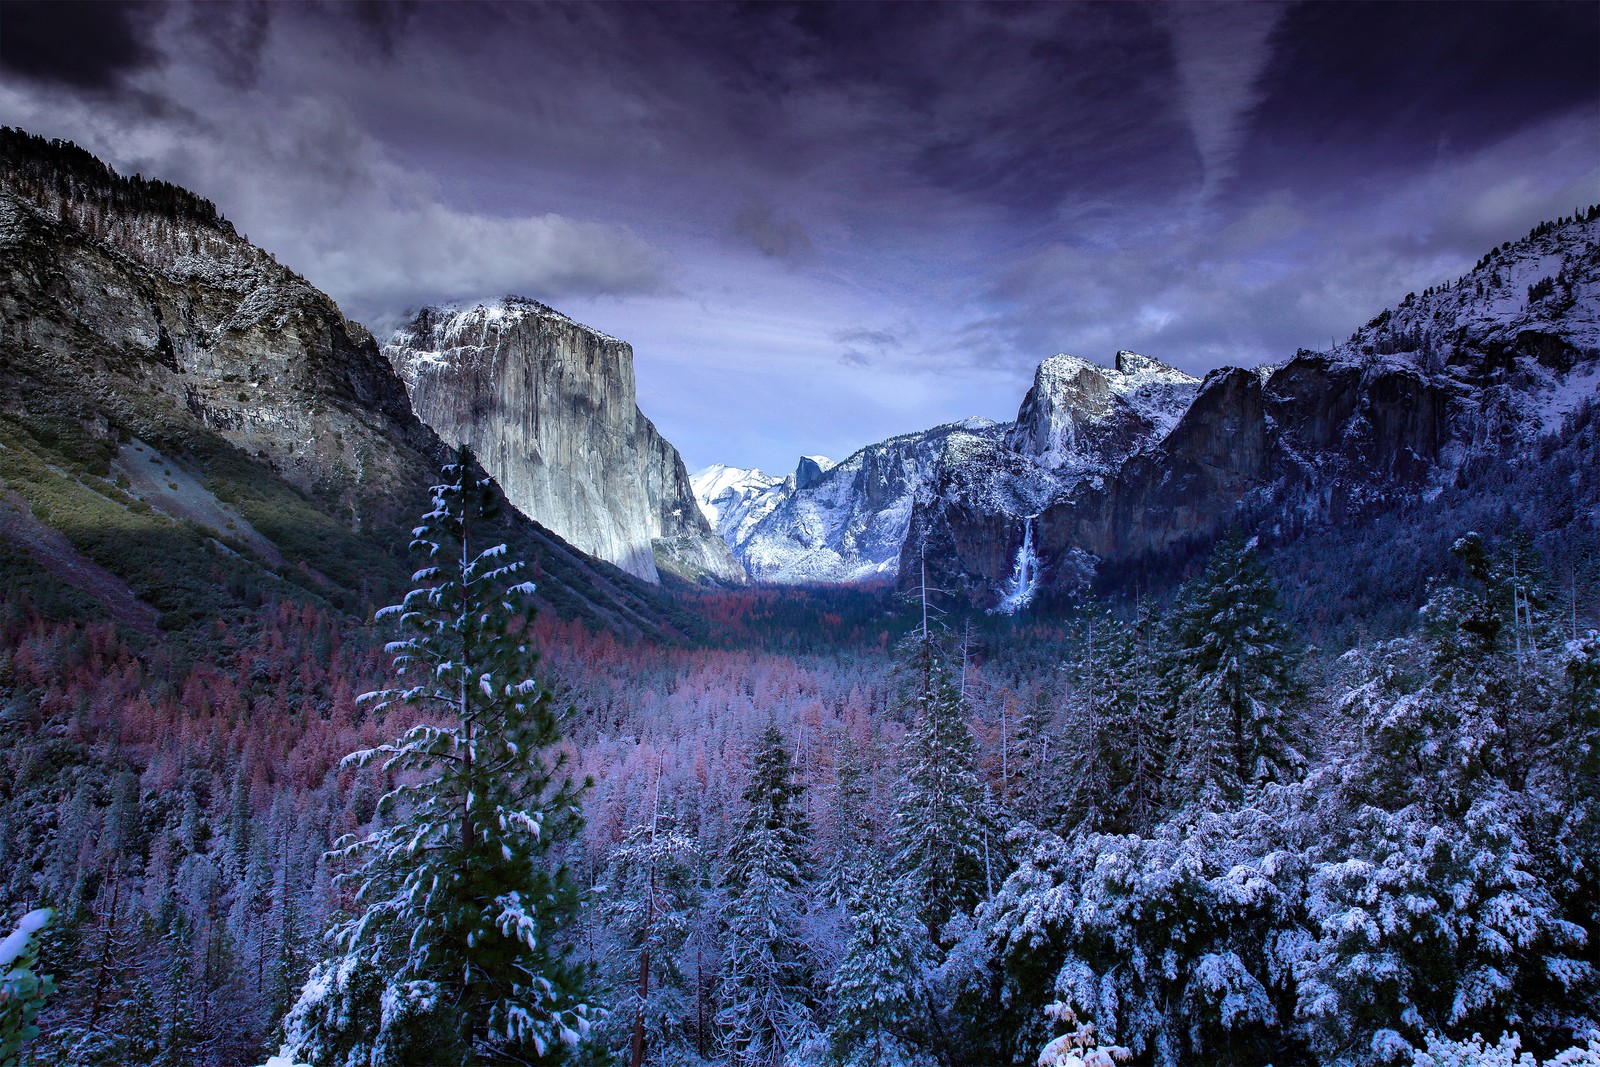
(722, 487)
(840, 522)
(1079, 416)
(810, 469)
(1145, 461)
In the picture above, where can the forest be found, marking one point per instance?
(1164, 827)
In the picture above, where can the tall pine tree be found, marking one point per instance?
(766, 985)
(1115, 746)
(943, 841)
(452, 954)
(649, 898)
(880, 991)
(1234, 677)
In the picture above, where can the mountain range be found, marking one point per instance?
(173, 392)
(1113, 468)
(184, 420)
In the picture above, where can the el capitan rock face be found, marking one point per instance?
(548, 406)
(206, 386)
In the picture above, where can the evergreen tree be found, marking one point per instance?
(1453, 782)
(852, 830)
(23, 991)
(649, 898)
(879, 993)
(1115, 747)
(942, 814)
(766, 984)
(1234, 678)
(453, 955)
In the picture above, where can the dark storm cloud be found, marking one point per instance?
(382, 24)
(80, 45)
(865, 107)
(862, 348)
(231, 36)
(885, 213)
(1378, 88)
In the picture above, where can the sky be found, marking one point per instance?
(820, 225)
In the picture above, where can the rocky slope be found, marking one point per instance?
(850, 521)
(835, 523)
(548, 406)
(729, 496)
(139, 332)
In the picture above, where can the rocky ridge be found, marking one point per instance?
(840, 522)
(850, 521)
(1108, 466)
(1462, 374)
(139, 332)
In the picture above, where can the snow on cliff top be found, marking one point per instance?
(1155, 390)
(1496, 302)
(467, 324)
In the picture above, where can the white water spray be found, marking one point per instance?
(1024, 575)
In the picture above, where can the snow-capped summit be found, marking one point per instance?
(1109, 463)
(829, 522)
(721, 490)
(445, 331)
(1078, 416)
(810, 470)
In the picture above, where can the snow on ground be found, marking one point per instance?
(1567, 395)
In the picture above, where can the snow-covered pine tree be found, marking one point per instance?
(1234, 676)
(22, 990)
(766, 989)
(1115, 745)
(852, 829)
(647, 909)
(879, 993)
(1454, 893)
(944, 848)
(452, 955)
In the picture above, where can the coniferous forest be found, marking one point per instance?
(1169, 826)
(1080, 645)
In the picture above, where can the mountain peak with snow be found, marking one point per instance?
(1080, 416)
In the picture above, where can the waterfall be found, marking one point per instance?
(1024, 574)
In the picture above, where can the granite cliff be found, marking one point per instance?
(192, 418)
(1467, 373)
(1110, 469)
(548, 406)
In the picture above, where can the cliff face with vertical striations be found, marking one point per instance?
(184, 421)
(548, 405)
(1470, 373)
